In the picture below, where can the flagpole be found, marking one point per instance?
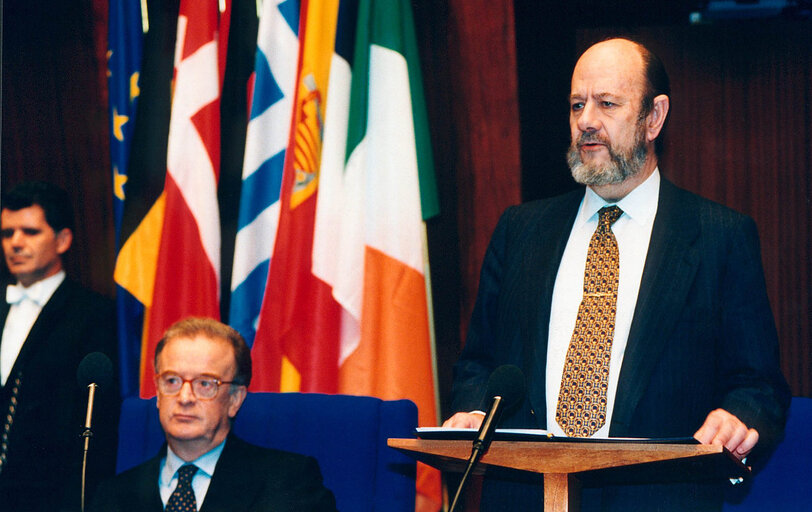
(144, 17)
(430, 309)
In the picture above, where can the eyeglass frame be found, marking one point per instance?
(217, 383)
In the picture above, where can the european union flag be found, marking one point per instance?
(125, 40)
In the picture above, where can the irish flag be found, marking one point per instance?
(369, 241)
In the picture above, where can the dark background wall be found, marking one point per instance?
(496, 79)
(55, 123)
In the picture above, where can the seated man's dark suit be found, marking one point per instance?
(702, 337)
(42, 471)
(246, 478)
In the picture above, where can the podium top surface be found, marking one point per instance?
(600, 462)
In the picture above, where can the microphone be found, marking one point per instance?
(506, 386)
(95, 370)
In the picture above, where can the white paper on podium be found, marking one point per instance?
(530, 434)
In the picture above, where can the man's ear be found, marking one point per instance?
(64, 239)
(656, 118)
(235, 399)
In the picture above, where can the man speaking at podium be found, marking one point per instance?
(634, 308)
(203, 370)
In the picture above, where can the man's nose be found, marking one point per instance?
(186, 393)
(588, 119)
(16, 239)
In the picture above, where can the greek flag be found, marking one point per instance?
(266, 144)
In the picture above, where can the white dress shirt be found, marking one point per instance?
(168, 475)
(25, 306)
(633, 233)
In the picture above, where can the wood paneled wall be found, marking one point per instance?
(469, 62)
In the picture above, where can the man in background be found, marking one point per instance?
(203, 369)
(634, 308)
(50, 323)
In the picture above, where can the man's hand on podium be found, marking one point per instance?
(465, 420)
(724, 429)
(720, 428)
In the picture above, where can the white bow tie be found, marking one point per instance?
(15, 293)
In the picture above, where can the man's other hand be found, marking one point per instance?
(465, 420)
(724, 429)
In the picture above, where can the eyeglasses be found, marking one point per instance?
(204, 387)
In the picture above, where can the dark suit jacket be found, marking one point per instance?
(43, 469)
(246, 478)
(702, 335)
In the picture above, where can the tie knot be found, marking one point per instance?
(15, 293)
(186, 473)
(608, 215)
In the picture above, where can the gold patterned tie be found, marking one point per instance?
(581, 407)
(183, 497)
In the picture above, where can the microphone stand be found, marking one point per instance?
(87, 434)
(481, 443)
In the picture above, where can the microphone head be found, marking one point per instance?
(95, 368)
(506, 381)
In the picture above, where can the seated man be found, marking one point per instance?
(203, 368)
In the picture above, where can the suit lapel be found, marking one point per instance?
(233, 485)
(4, 307)
(671, 264)
(544, 248)
(147, 495)
(43, 325)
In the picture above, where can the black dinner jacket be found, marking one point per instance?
(246, 478)
(43, 468)
(702, 335)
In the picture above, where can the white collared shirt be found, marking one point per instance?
(168, 475)
(633, 233)
(21, 317)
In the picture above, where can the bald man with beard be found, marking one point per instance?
(692, 349)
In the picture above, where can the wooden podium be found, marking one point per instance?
(566, 465)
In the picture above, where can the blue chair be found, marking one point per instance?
(782, 485)
(346, 434)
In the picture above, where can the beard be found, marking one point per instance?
(623, 162)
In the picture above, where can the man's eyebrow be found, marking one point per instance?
(608, 96)
(599, 96)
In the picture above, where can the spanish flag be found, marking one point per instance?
(347, 307)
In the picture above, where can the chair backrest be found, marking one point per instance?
(346, 434)
(783, 483)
